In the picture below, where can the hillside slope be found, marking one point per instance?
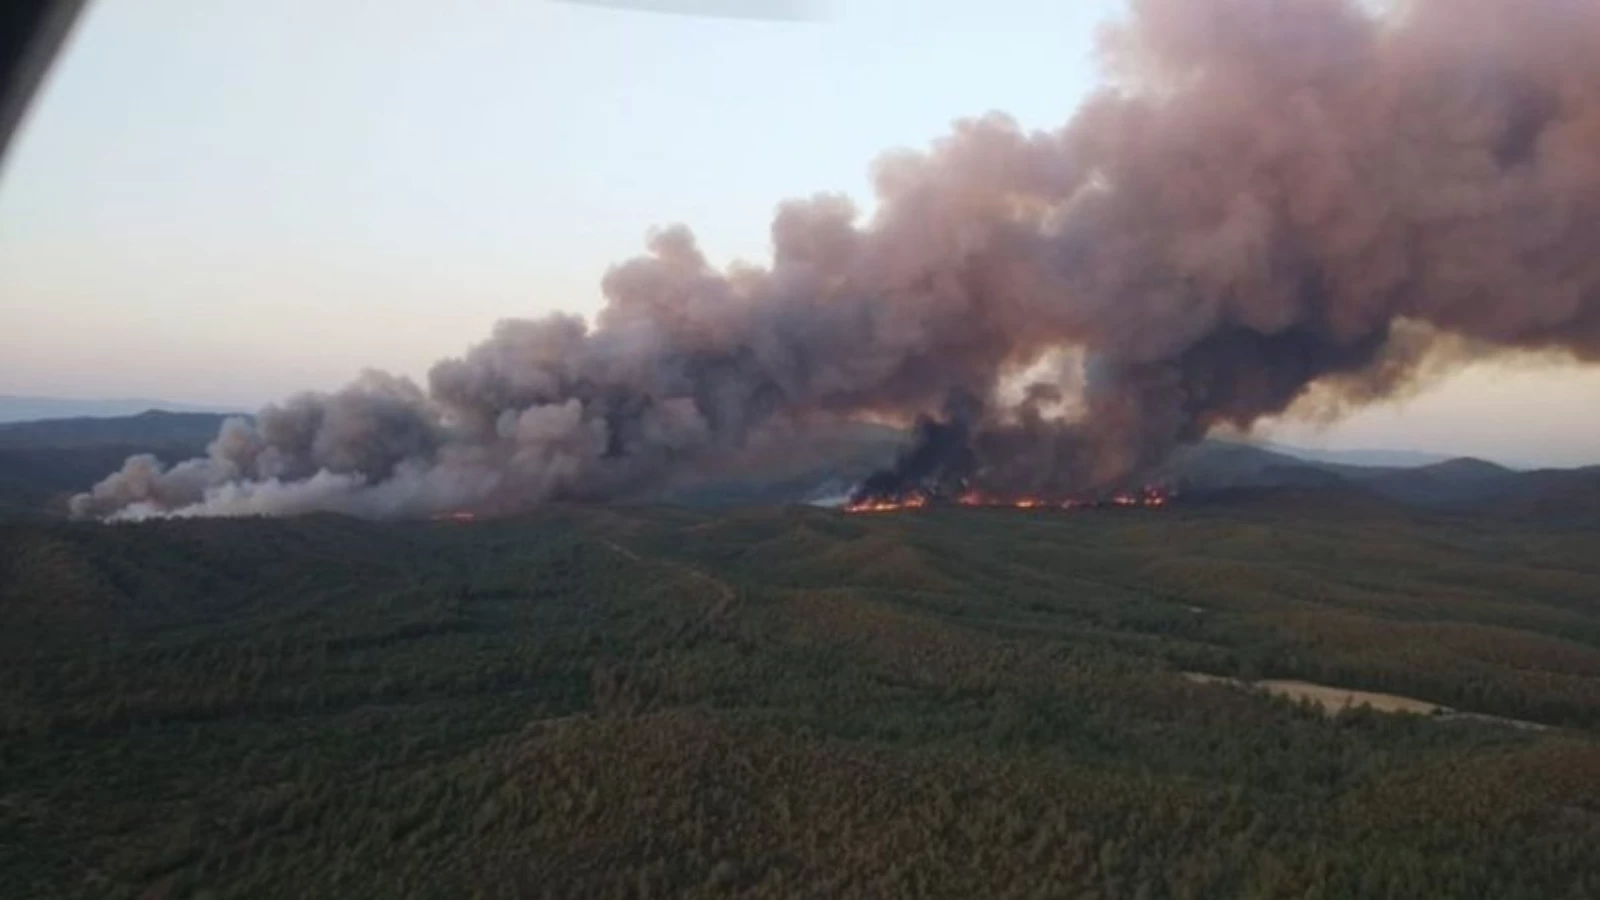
(43, 463)
(625, 702)
(151, 428)
(20, 408)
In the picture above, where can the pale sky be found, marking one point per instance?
(223, 201)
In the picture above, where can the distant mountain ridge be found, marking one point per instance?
(22, 408)
(43, 462)
(156, 429)
(1359, 457)
(1454, 484)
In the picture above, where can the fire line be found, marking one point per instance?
(1150, 498)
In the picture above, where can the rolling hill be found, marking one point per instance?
(42, 462)
(625, 702)
(152, 428)
(726, 695)
(1461, 484)
(18, 408)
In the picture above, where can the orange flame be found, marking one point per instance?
(1149, 498)
(914, 501)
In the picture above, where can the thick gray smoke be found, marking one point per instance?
(1264, 196)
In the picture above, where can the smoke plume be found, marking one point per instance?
(1264, 197)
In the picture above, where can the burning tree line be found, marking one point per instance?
(941, 467)
(1267, 205)
(1147, 498)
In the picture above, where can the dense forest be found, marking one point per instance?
(649, 702)
(44, 462)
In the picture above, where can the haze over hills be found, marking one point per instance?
(150, 428)
(20, 408)
(44, 462)
(1366, 456)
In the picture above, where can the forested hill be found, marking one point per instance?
(153, 429)
(613, 702)
(42, 463)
